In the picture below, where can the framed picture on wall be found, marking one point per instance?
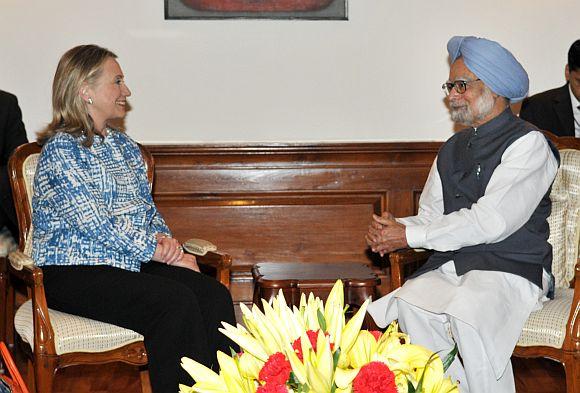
(256, 9)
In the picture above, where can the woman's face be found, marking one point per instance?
(109, 95)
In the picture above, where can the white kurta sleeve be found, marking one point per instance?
(527, 169)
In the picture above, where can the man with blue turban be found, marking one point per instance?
(483, 211)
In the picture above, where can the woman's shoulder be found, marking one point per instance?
(62, 139)
(62, 145)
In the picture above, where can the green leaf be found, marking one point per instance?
(410, 387)
(321, 320)
(293, 381)
(335, 357)
(420, 384)
(449, 358)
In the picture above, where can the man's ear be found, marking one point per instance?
(567, 73)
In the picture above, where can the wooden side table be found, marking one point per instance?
(360, 282)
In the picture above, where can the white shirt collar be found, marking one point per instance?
(575, 112)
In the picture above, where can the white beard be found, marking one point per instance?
(464, 114)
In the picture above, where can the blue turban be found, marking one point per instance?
(493, 64)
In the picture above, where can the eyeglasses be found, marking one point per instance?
(460, 86)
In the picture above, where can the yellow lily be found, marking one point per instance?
(391, 340)
(322, 362)
(311, 312)
(278, 325)
(444, 386)
(230, 373)
(334, 312)
(401, 382)
(206, 379)
(185, 389)
(363, 349)
(261, 329)
(245, 341)
(290, 317)
(415, 362)
(297, 365)
(318, 364)
(350, 333)
(267, 332)
(343, 377)
(249, 365)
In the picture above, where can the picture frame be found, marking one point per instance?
(257, 9)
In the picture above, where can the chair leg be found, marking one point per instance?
(30, 375)
(44, 372)
(145, 382)
(572, 369)
(9, 321)
(3, 298)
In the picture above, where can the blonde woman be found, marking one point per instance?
(105, 250)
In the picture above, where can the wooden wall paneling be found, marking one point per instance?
(287, 202)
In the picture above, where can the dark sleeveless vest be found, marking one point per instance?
(465, 164)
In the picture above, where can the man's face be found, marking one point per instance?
(472, 107)
(574, 78)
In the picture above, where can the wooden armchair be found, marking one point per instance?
(56, 339)
(553, 331)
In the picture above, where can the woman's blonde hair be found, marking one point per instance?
(80, 65)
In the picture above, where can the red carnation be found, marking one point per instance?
(270, 388)
(276, 370)
(374, 377)
(376, 334)
(313, 337)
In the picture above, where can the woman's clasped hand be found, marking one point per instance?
(170, 251)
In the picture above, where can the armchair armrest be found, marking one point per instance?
(402, 261)
(22, 267)
(221, 262)
(572, 340)
(207, 255)
(18, 260)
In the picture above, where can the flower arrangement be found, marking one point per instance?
(311, 348)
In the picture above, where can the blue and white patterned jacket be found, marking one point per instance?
(93, 206)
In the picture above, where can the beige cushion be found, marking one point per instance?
(571, 172)
(564, 228)
(29, 169)
(7, 242)
(75, 334)
(548, 325)
(557, 223)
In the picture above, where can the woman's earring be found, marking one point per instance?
(90, 101)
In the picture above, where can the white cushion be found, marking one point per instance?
(75, 334)
(547, 327)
